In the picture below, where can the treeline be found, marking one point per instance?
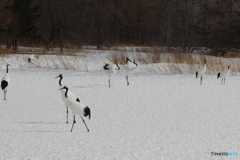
(174, 23)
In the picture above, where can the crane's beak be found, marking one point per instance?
(56, 77)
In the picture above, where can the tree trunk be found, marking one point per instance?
(117, 23)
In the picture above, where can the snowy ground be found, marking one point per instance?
(158, 117)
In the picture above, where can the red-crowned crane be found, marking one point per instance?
(129, 67)
(110, 69)
(70, 94)
(223, 74)
(5, 82)
(77, 108)
(30, 58)
(200, 72)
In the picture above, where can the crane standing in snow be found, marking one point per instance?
(77, 108)
(5, 82)
(223, 74)
(69, 94)
(200, 72)
(110, 69)
(30, 58)
(129, 67)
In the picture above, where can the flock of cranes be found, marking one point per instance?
(111, 69)
(223, 74)
(73, 102)
(70, 95)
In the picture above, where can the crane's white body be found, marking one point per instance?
(129, 67)
(6, 78)
(224, 74)
(31, 56)
(200, 72)
(110, 69)
(76, 107)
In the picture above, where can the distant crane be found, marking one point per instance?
(77, 108)
(5, 82)
(110, 69)
(200, 72)
(223, 74)
(30, 58)
(129, 67)
(70, 94)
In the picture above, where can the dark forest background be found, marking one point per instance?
(174, 23)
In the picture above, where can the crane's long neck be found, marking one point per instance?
(118, 67)
(60, 81)
(135, 63)
(7, 69)
(66, 92)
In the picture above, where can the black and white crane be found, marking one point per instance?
(77, 108)
(200, 72)
(30, 58)
(223, 74)
(129, 67)
(69, 94)
(5, 82)
(110, 69)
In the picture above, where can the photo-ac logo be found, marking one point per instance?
(224, 154)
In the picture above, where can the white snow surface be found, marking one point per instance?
(157, 117)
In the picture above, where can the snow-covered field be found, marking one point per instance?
(157, 117)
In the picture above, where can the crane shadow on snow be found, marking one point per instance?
(39, 122)
(90, 86)
(39, 131)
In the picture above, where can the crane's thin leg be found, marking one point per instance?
(127, 80)
(85, 124)
(222, 81)
(67, 114)
(73, 122)
(201, 81)
(109, 82)
(5, 93)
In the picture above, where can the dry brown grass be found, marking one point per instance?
(179, 63)
(172, 62)
(118, 57)
(153, 59)
(235, 67)
(5, 53)
(232, 55)
(59, 62)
